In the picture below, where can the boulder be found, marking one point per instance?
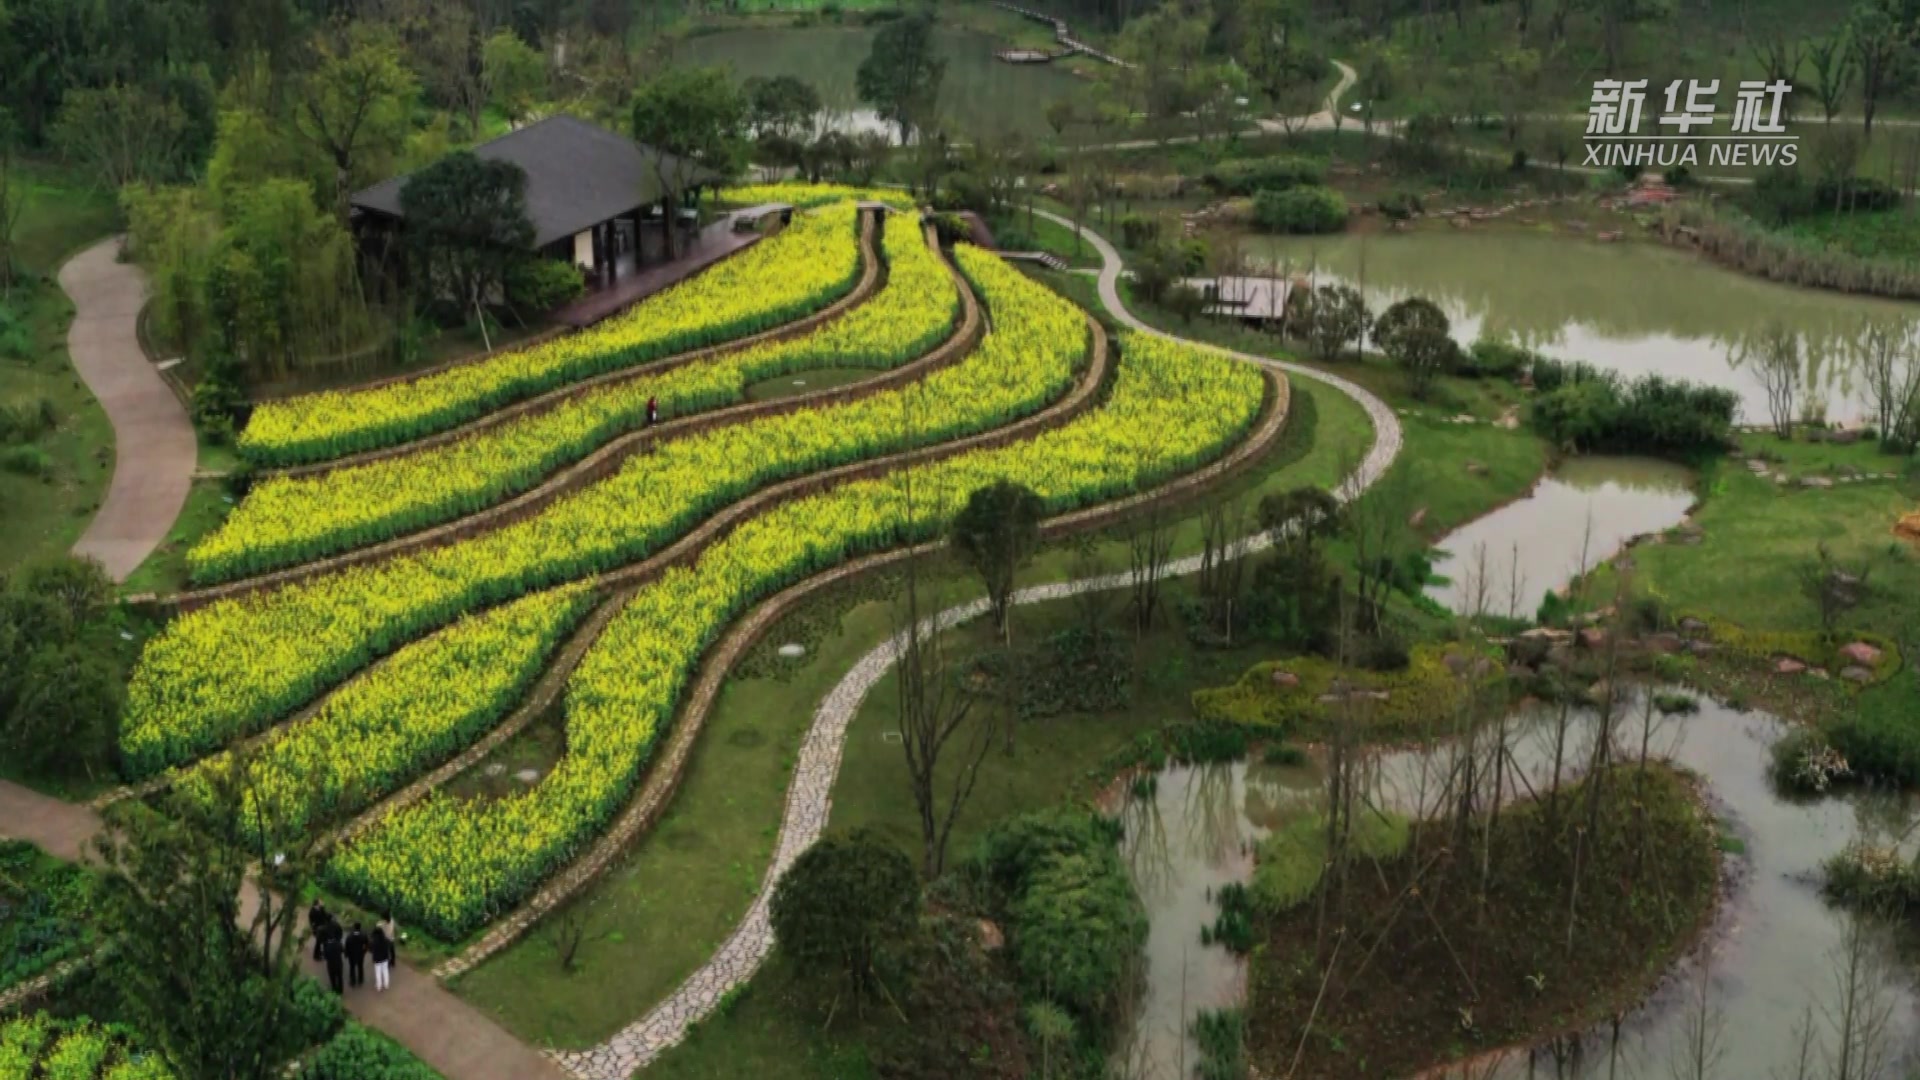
(1285, 679)
(1854, 673)
(1787, 665)
(1816, 482)
(1694, 627)
(1593, 638)
(1861, 654)
(991, 939)
(1664, 642)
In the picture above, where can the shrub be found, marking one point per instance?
(1871, 878)
(1415, 333)
(1425, 688)
(540, 285)
(1293, 858)
(25, 421)
(1401, 205)
(315, 1014)
(1332, 318)
(1246, 176)
(360, 1053)
(1586, 411)
(1803, 761)
(844, 901)
(1232, 927)
(1076, 924)
(26, 461)
(1139, 230)
(1308, 209)
(1497, 360)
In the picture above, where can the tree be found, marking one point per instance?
(1778, 366)
(1415, 333)
(61, 687)
(1332, 318)
(1832, 60)
(783, 105)
(844, 903)
(698, 119)
(121, 134)
(1882, 36)
(467, 226)
(515, 75)
(1516, 82)
(1890, 361)
(995, 534)
(211, 981)
(13, 200)
(355, 105)
(901, 75)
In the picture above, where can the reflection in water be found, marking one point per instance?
(1775, 945)
(1632, 308)
(1506, 562)
(978, 94)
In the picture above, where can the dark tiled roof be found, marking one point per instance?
(578, 175)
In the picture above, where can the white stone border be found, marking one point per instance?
(810, 794)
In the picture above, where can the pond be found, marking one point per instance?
(1580, 514)
(1773, 942)
(979, 95)
(1635, 308)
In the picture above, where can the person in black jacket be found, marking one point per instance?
(333, 948)
(317, 919)
(382, 948)
(356, 950)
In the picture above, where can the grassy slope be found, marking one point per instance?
(46, 515)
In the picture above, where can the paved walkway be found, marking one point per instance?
(447, 1033)
(810, 794)
(154, 445)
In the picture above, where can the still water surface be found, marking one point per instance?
(1635, 308)
(1774, 940)
(979, 95)
(1505, 562)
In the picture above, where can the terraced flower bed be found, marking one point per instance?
(808, 195)
(450, 866)
(286, 521)
(234, 666)
(805, 268)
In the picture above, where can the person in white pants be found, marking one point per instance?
(383, 952)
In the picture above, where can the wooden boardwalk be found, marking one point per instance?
(711, 244)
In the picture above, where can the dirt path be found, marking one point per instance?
(444, 1031)
(154, 445)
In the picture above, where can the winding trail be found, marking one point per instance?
(810, 794)
(154, 446)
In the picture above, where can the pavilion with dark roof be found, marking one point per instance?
(595, 198)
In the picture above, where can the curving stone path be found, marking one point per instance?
(154, 446)
(810, 794)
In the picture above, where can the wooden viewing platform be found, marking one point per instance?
(1061, 34)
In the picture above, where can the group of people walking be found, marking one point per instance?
(346, 949)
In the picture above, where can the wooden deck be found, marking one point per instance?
(713, 243)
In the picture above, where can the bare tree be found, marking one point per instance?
(1833, 70)
(1149, 547)
(13, 202)
(1377, 528)
(1702, 1032)
(1890, 362)
(575, 928)
(1777, 363)
(1860, 1016)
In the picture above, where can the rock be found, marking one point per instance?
(1780, 478)
(1286, 679)
(1419, 517)
(1861, 653)
(1817, 673)
(792, 649)
(1547, 634)
(1597, 693)
(1593, 638)
(1476, 468)
(1693, 626)
(1607, 237)
(1854, 673)
(1664, 642)
(495, 769)
(1787, 665)
(1845, 436)
(991, 939)
(1815, 482)
(1690, 527)
(1756, 465)
(1700, 648)
(527, 776)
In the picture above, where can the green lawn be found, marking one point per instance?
(50, 484)
(1012, 233)
(806, 382)
(165, 571)
(1889, 234)
(1758, 533)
